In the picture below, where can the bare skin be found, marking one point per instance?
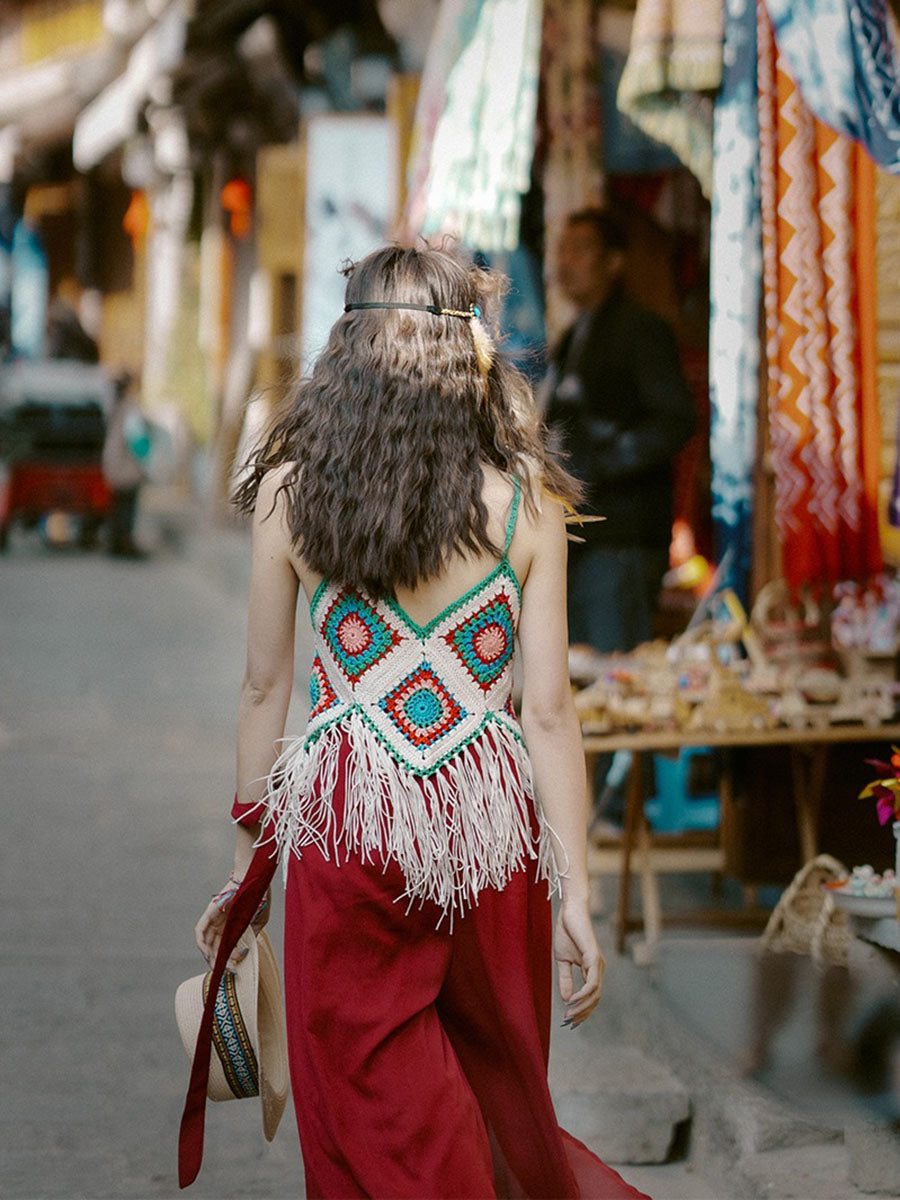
(549, 722)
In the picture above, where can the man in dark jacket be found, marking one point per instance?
(618, 404)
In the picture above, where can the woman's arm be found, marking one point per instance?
(553, 736)
(268, 677)
(269, 669)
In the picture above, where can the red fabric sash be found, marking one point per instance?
(240, 913)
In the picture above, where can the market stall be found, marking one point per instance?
(793, 675)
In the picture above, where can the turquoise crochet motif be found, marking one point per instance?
(356, 635)
(422, 708)
(484, 642)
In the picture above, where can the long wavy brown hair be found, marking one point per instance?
(388, 436)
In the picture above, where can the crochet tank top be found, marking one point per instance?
(435, 771)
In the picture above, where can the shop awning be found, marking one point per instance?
(113, 115)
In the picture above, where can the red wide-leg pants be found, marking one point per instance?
(419, 1055)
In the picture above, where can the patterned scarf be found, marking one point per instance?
(818, 240)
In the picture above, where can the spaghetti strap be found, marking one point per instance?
(513, 514)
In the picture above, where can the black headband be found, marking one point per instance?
(467, 315)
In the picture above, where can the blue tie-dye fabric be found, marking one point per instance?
(842, 58)
(735, 281)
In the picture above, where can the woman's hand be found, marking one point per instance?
(208, 930)
(208, 934)
(575, 945)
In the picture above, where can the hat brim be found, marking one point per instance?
(274, 1076)
(259, 997)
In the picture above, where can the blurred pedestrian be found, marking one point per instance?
(619, 407)
(125, 452)
(66, 337)
(407, 493)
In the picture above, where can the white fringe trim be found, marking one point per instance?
(453, 833)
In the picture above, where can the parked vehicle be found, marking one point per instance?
(53, 418)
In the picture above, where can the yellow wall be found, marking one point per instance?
(279, 228)
(53, 26)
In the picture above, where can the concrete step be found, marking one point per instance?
(798, 1173)
(873, 1152)
(625, 1106)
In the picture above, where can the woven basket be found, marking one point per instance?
(805, 920)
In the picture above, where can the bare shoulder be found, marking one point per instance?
(270, 498)
(540, 521)
(271, 512)
(544, 519)
(271, 483)
(540, 513)
(498, 489)
(271, 530)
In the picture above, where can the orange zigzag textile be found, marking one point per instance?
(818, 255)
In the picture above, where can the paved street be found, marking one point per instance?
(119, 689)
(117, 709)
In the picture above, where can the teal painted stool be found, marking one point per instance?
(676, 808)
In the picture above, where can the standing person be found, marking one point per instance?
(408, 494)
(124, 450)
(620, 408)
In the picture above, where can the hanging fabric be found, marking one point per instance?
(29, 291)
(455, 24)
(818, 238)
(887, 236)
(571, 158)
(674, 65)
(893, 512)
(627, 149)
(480, 164)
(735, 282)
(841, 55)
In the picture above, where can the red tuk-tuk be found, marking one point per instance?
(52, 425)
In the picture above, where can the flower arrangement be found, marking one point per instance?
(886, 789)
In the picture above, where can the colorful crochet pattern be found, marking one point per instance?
(424, 692)
(422, 709)
(356, 637)
(437, 774)
(321, 693)
(484, 642)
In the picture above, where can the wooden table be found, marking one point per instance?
(660, 853)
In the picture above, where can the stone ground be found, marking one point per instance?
(117, 712)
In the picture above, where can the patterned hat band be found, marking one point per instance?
(232, 1040)
(468, 314)
(248, 1056)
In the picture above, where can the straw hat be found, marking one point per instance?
(249, 1054)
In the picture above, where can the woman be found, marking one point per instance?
(408, 493)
